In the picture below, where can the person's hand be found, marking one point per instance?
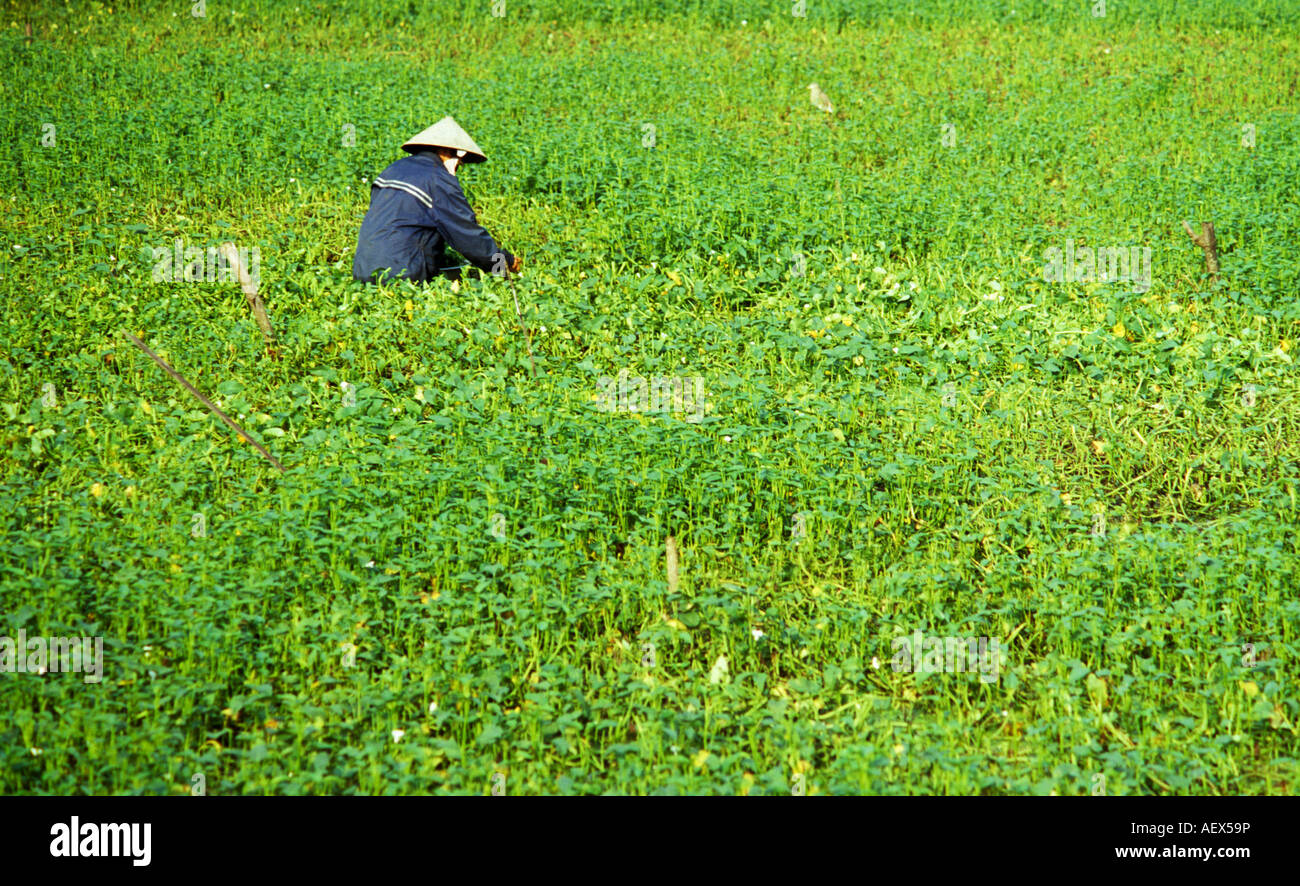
(516, 265)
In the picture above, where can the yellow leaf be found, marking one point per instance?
(1250, 687)
(1119, 329)
(701, 758)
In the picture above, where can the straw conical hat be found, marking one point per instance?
(446, 133)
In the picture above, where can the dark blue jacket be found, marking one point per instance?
(417, 209)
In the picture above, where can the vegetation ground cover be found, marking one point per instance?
(907, 428)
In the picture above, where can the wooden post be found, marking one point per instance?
(250, 286)
(1209, 245)
(670, 565)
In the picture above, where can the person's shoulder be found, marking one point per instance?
(409, 168)
(444, 182)
(395, 168)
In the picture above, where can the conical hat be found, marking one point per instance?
(446, 133)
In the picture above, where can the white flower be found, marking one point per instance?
(397, 735)
(370, 564)
(36, 752)
(433, 707)
(726, 439)
(293, 179)
(875, 663)
(266, 85)
(756, 634)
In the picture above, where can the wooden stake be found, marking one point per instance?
(528, 335)
(670, 555)
(1209, 245)
(250, 286)
(204, 400)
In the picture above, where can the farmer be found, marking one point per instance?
(417, 209)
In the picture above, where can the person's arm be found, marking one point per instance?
(460, 228)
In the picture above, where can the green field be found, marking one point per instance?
(461, 582)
